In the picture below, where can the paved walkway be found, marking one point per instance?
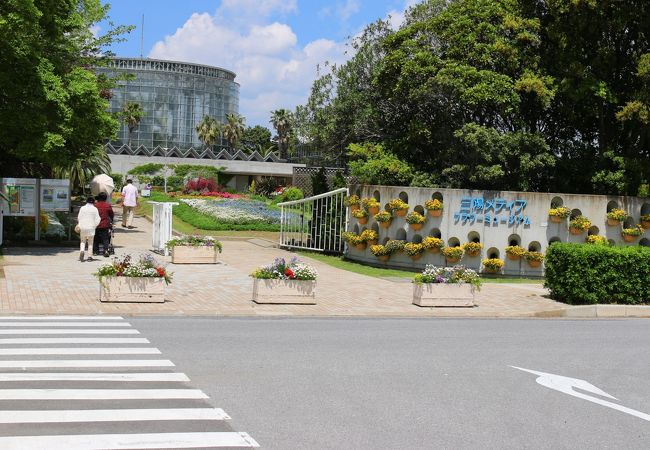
(49, 280)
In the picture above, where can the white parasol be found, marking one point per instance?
(102, 183)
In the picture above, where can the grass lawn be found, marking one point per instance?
(378, 272)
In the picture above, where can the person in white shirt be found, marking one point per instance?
(129, 202)
(88, 220)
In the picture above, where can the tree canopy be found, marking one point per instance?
(547, 95)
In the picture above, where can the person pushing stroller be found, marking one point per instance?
(103, 231)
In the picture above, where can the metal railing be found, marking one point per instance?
(315, 223)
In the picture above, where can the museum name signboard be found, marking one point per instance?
(492, 212)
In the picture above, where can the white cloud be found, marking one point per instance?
(347, 9)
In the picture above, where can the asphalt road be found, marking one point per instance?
(415, 383)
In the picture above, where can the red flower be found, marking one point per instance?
(288, 272)
(161, 271)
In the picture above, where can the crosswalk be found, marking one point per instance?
(65, 386)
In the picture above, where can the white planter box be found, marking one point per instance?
(188, 254)
(443, 294)
(284, 291)
(132, 289)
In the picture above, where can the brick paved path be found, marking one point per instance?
(45, 281)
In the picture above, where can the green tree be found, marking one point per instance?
(51, 105)
(233, 130)
(282, 120)
(82, 170)
(131, 115)
(209, 131)
(256, 138)
(372, 164)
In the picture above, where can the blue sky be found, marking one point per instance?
(273, 46)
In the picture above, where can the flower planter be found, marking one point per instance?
(435, 212)
(362, 220)
(473, 254)
(373, 210)
(360, 247)
(354, 208)
(385, 224)
(434, 250)
(613, 222)
(372, 242)
(132, 289)
(187, 254)
(452, 260)
(629, 237)
(416, 226)
(416, 257)
(302, 292)
(491, 271)
(576, 231)
(534, 264)
(401, 212)
(513, 257)
(443, 294)
(556, 219)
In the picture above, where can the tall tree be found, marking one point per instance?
(255, 138)
(233, 130)
(209, 131)
(282, 120)
(131, 115)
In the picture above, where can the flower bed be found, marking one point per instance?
(283, 282)
(194, 249)
(126, 281)
(445, 286)
(235, 211)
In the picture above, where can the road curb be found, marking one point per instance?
(595, 311)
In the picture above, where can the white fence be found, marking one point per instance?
(162, 225)
(315, 223)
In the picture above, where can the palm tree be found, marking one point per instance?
(209, 131)
(233, 130)
(82, 170)
(282, 121)
(131, 114)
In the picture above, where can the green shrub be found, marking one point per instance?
(588, 274)
(158, 180)
(266, 186)
(146, 169)
(118, 181)
(290, 194)
(174, 183)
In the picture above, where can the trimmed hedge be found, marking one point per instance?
(588, 274)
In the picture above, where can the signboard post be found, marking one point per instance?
(162, 225)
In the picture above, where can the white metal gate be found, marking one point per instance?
(315, 223)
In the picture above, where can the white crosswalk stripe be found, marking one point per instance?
(98, 403)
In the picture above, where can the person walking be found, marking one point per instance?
(88, 219)
(102, 233)
(129, 202)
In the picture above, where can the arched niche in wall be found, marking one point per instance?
(375, 227)
(645, 242)
(435, 232)
(593, 231)
(553, 240)
(514, 239)
(364, 228)
(473, 236)
(386, 207)
(612, 205)
(437, 196)
(377, 196)
(356, 228)
(417, 238)
(403, 196)
(401, 234)
(575, 213)
(534, 247)
(645, 209)
(453, 242)
(419, 209)
(629, 223)
(383, 241)
(611, 242)
(492, 252)
(556, 202)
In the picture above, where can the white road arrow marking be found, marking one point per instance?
(566, 385)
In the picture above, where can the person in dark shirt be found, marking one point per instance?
(102, 233)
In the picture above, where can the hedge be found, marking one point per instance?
(588, 274)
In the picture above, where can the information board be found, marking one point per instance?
(21, 193)
(55, 195)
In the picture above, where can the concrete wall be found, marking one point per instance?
(455, 225)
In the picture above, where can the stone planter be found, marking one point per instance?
(301, 292)
(401, 212)
(613, 222)
(416, 226)
(534, 264)
(629, 237)
(132, 289)
(373, 210)
(385, 224)
(443, 294)
(576, 231)
(435, 212)
(556, 219)
(188, 254)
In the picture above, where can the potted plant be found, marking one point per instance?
(381, 252)
(492, 265)
(645, 221)
(414, 250)
(415, 220)
(395, 246)
(615, 217)
(433, 244)
(194, 249)
(370, 237)
(515, 252)
(398, 207)
(579, 225)
(371, 205)
(534, 258)
(559, 214)
(353, 202)
(473, 248)
(384, 219)
(434, 207)
(630, 234)
(361, 215)
(453, 254)
(596, 239)
(354, 240)
(291, 282)
(125, 280)
(445, 286)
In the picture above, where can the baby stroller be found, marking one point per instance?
(111, 248)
